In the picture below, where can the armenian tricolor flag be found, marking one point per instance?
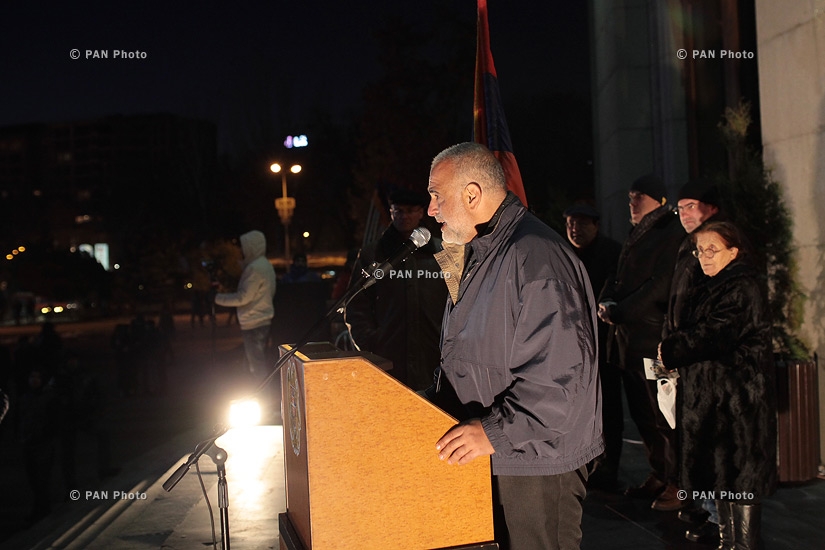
(490, 126)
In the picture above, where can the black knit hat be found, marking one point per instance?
(702, 190)
(651, 186)
(409, 197)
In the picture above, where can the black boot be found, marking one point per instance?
(747, 526)
(726, 532)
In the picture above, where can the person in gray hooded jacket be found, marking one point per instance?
(253, 301)
(518, 350)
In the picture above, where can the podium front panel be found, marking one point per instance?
(362, 468)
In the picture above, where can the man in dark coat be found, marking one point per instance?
(698, 204)
(635, 303)
(399, 318)
(518, 349)
(600, 254)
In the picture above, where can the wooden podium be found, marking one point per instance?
(362, 470)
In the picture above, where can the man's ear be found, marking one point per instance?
(472, 195)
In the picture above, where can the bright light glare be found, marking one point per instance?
(295, 168)
(244, 413)
(254, 453)
(275, 167)
(306, 234)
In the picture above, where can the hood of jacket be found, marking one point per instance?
(253, 245)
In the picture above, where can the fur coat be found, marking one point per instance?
(726, 409)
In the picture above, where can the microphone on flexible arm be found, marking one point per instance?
(375, 271)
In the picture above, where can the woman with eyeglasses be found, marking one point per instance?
(726, 407)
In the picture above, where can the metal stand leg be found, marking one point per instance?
(219, 458)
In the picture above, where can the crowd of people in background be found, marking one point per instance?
(682, 289)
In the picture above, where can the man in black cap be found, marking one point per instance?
(635, 304)
(399, 318)
(599, 254)
(698, 204)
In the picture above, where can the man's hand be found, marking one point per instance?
(604, 311)
(464, 442)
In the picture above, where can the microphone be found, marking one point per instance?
(372, 274)
(375, 271)
(419, 237)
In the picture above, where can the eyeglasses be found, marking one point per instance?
(709, 253)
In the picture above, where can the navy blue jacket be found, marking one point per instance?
(519, 344)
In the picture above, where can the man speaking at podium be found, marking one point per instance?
(518, 350)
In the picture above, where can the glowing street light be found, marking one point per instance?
(285, 204)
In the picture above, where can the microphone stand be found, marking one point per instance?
(218, 456)
(200, 450)
(367, 279)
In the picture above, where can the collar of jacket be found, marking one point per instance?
(488, 227)
(482, 242)
(737, 268)
(653, 218)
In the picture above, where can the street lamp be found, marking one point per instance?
(285, 205)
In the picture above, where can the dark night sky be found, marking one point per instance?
(221, 61)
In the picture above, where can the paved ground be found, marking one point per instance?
(153, 434)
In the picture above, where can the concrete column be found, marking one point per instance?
(638, 101)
